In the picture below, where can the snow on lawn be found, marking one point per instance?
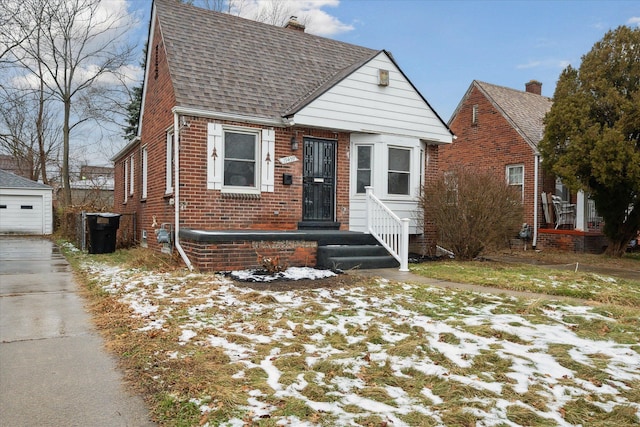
(440, 350)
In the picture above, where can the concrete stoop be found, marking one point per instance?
(355, 256)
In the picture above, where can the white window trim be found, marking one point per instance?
(507, 175)
(125, 167)
(264, 159)
(412, 171)
(169, 162)
(354, 169)
(255, 189)
(132, 174)
(145, 160)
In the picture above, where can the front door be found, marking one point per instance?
(319, 180)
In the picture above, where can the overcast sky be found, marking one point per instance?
(443, 45)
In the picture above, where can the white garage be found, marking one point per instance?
(25, 205)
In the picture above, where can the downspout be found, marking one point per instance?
(176, 190)
(536, 162)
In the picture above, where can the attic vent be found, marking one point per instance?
(383, 77)
(474, 115)
(155, 74)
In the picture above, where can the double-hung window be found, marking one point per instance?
(399, 171)
(132, 174)
(363, 168)
(169, 170)
(515, 177)
(240, 160)
(144, 171)
(125, 173)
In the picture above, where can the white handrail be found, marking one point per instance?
(388, 228)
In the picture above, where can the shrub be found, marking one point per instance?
(472, 211)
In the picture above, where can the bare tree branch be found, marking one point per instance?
(80, 56)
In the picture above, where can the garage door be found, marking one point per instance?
(21, 214)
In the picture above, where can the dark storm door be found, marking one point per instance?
(319, 179)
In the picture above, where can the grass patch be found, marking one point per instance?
(176, 412)
(531, 278)
(525, 417)
(418, 419)
(258, 362)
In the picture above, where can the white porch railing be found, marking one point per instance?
(587, 218)
(391, 231)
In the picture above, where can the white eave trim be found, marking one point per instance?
(189, 111)
(126, 148)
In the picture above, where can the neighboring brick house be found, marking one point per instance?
(248, 126)
(498, 129)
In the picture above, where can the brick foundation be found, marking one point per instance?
(571, 240)
(241, 254)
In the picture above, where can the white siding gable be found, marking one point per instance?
(359, 104)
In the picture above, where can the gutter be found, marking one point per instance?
(176, 190)
(189, 111)
(536, 167)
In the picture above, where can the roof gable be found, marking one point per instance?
(355, 101)
(10, 180)
(523, 110)
(223, 63)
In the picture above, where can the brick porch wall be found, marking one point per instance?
(248, 254)
(571, 240)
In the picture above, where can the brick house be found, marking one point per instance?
(498, 129)
(253, 136)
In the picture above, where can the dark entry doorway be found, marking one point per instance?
(319, 183)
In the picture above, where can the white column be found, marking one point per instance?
(581, 212)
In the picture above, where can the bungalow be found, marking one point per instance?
(258, 141)
(498, 129)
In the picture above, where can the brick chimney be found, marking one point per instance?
(294, 24)
(534, 86)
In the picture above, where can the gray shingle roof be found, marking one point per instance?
(525, 111)
(223, 63)
(10, 180)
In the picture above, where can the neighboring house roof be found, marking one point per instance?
(97, 183)
(11, 180)
(525, 111)
(11, 164)
(89, 172)
(223, 63)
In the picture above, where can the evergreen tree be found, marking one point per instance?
(592, 133)
(133, 113)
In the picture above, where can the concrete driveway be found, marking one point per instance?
(54, 370)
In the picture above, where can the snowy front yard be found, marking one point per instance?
(375, 353)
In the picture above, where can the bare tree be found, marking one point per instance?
(78, 52)
(10, 10)
(29, 132)
(274, 12)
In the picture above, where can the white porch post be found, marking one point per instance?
(404, 245)
(581, 212)
(368, 190)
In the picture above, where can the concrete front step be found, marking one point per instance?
(346, 257)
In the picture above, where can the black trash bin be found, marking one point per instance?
(103, 228)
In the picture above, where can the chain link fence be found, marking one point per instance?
(73, 226)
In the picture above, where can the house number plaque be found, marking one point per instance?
(289, 159)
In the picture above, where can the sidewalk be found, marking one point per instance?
(405, 276)
(395, 275)
(54, 370)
